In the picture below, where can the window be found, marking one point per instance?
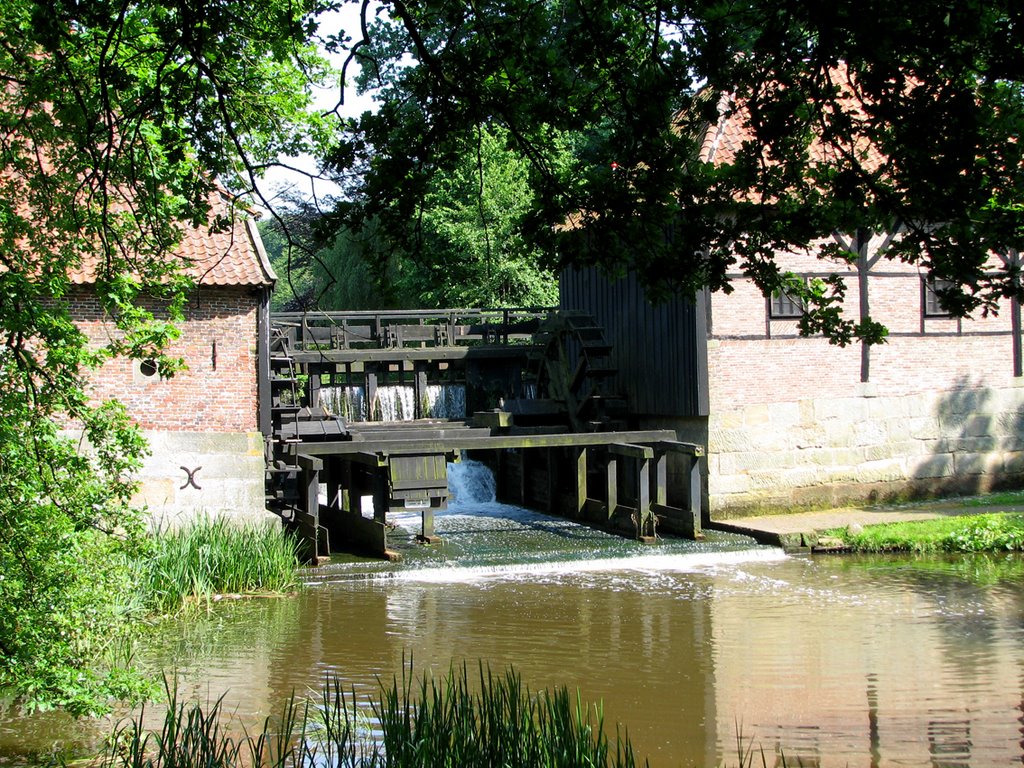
(145, 371)
(932, 288)
(784, 305)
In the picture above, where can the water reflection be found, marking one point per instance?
(829, 661)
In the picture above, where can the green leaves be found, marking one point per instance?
(118, 123)
(464, 247)
(873, 117)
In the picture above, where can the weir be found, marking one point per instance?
(377, 405)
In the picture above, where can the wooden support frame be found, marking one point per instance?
(641, 456)
(581, 483)
(308, 517)
(688, 524)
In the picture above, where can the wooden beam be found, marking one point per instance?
(632, 451)
(309, 463)
(674, 445)
(419, 354)
(486, 442)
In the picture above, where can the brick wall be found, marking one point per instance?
(217, 391)
(792, 422)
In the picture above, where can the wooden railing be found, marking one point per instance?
(319, 331)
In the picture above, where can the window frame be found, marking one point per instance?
(931, 305)
(782, 306)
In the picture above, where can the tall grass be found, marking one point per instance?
(436, 723)
(211, 557)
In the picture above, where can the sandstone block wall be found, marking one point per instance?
(193, 474)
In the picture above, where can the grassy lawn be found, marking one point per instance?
(990, 532)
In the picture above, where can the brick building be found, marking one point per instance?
(791, 421)
(203, 424)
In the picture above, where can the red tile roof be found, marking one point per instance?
(723, 139)
(232, 257)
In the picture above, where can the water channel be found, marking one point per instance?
(830, 660)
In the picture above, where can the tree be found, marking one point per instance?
(117, 121)
(918, 107)
(465, 248)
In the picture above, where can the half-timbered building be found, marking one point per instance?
(791, 421)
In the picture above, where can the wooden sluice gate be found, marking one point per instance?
(555, 435)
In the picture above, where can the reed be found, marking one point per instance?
(434, 723)
(212, 557)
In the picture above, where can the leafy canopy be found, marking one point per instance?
(117, 122)
(464, 248)
(932, 87)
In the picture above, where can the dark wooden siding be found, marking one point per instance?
(660, 350)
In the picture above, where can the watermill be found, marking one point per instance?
(560, 439)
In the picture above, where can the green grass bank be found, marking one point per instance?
(194, 564)
(986, 532)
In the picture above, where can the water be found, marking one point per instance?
(395, 402)
(831, 660)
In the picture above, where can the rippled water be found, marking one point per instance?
(827, 660)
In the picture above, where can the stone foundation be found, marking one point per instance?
(227, 477)
(866, 447)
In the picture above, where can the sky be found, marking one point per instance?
(280, 181)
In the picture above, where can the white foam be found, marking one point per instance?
(651, 563)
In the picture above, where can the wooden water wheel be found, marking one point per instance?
(575, 371)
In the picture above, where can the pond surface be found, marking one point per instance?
(828, 660)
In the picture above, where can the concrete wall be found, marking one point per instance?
(203, 420)
(792, 423)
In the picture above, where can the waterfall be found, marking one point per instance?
(470, 483)
(446, 401)
(347, 402)
(395, 402)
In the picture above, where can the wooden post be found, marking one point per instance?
(380, 494)
(581, 482)
(345, 486)
(427, 532)
(612, 478)
(332, 479)
(313, 388)
(643, 500)
(660, 478)
(696, 493)
(370, 394)
(309, 513)
(263, 361)
(421, 406)
(863, 239)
